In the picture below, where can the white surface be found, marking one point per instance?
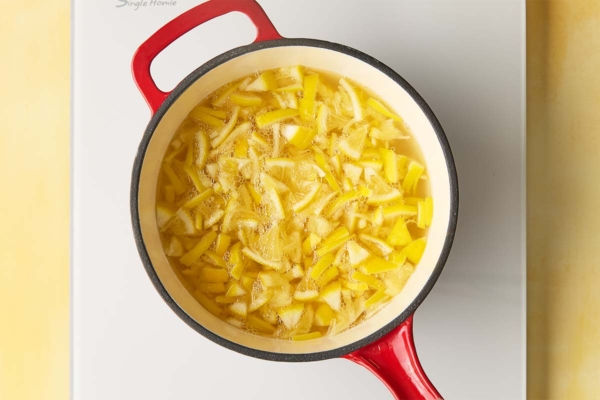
(467, 60)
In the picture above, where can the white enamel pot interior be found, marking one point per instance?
(324, 56)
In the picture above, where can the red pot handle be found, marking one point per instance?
(187, 21)
(393, 359)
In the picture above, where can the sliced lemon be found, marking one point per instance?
(380, 108)
(276, 140)
(188, 222)
(290, 315)
(414, 251)
(271, 279)
(378, 217)
(394, 194)
(254, 193)
(213, 275)
(376, 299)
(297, 72)
(272, 117)
(332, 295)
(379, 244)
(199, 221)
(306, 336)
(353, 145)
(375, 165)
(399, 235)
(275, 200)
(226, 300)
(353, 172)
(322, 163)
(235, 290)
(239, 309)
(261, 260)
(321, 265)
(224, 95)
(390, 165)
(259, 324)
(299, 136)
(399, 210)
(194, 177)
(222, 244)
(211, 288)
(356, 253)
(265, 81)
(214, 259)
(226, 130)
(213, 218)
(207, 303)
(322, 114)
(235, 255)
(415, 171)
(306, 200)
(208, 119)
(319, 225)
(356, 286)
(354, 98)
(341, 202)
(175, 248)
(369, 280)
(327, 276)
(196, 252)
(306, 106)
(289, 88)
(164, 215)
(249, 223)
(421, 214)
(279, 162)
(169, 194)
(196, 200)
(323, 315)
(377, 265)
(306, 295)
(175, 181)
(209, 111)
(311, 242)
(239, 130)
(246, 100)
(428, 211)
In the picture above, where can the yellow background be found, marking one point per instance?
(563, 39)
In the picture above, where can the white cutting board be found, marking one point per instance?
(467, 59)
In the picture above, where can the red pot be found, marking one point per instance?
(384, 343)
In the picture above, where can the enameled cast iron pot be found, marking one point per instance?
(384, 343)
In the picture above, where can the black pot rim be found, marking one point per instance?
(272, 356)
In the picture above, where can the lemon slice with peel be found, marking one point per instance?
(332, 295)
(354, 143)
(290, 315)
(226, 129)
(272, 117)
(279, 162)
(265, 81)
(354, 98)
(306, 200)
(260, 259)
(246, 100)
(299, 136)
(381, 109)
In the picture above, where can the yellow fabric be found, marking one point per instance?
(563, 196)
(34, 200)
(563, 172)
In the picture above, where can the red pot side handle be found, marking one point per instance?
(184, 23)
(393, 359)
